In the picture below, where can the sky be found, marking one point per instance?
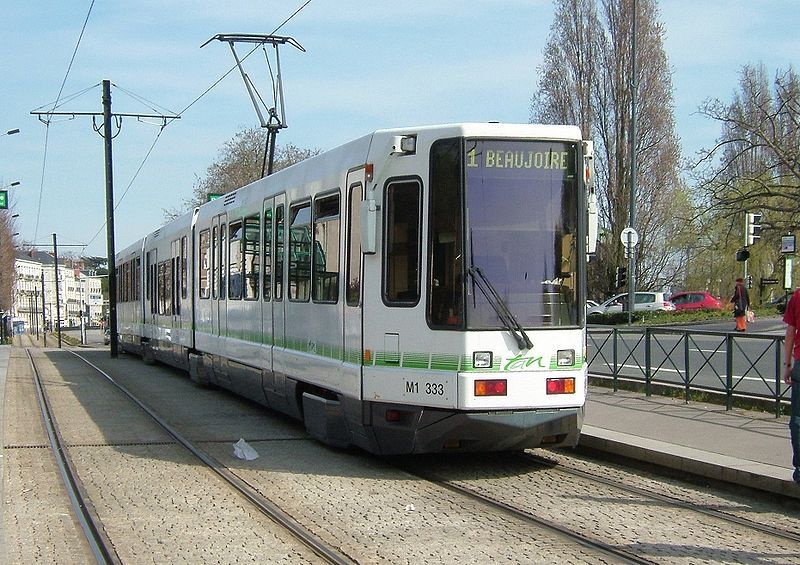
(367, 65)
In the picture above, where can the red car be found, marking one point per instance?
(695, 300)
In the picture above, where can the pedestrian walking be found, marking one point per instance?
(741, 303)
(791, 374)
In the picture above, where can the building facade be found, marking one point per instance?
(39, 298)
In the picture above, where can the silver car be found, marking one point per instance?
(644, 301)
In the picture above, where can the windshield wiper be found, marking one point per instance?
(509, 320)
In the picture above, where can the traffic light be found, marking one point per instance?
(3, 200)
(753, 227)
(621, 278)
(742, 254)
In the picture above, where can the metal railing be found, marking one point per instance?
(734, 365)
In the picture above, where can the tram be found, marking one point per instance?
(415, 290)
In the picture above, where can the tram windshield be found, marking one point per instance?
(513, 226)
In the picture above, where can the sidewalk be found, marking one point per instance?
(741, 447)
(5, 352)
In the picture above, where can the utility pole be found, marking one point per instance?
(632, 210)
(44, 314)
(112, 271)
(58, 298)
(107, 135)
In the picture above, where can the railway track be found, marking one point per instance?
(101, 544)
(556, 504)
(673, 500)
(522, 484)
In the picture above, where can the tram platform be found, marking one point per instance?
(746, 448)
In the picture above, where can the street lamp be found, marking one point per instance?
(12, 131)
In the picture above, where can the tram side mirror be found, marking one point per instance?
(368, 214)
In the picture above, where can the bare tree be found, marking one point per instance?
(755, 164)
(239, 163)
(586, 80)
(7, 274)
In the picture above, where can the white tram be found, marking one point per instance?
(415, 290)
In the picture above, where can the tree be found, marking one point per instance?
(7, 273)
(585, 80)
(239, 163)
(755, 164)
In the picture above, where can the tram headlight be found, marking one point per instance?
(482, 359)
(565, 358)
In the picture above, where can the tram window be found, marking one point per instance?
(300, 252)
(175, 272)
(137, 295)
(445, 292)
(235, 261)
(280, 251)
(204, 269)
(326, 249)
(267, 287)
(402, 254)
(252, 267)
(354, 247)
(151, 281)
(184, 268)
(214, 263)
(222, 257)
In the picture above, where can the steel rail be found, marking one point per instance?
(265, 506)
(762, 528)
(100, 545)
(583, 540)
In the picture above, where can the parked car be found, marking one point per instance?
(695, 300)
(644, 301)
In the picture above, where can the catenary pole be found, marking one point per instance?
(632, 210)
(107, 135)
(44, 314)
(58, 294)
(112, 272)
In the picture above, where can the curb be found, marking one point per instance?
(751, 474)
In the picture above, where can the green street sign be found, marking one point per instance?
(3, 200)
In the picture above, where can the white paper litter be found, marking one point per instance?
(410, 508)
(243, 450)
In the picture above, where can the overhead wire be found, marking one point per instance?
(140, 99)
(156, 107)
(47, 122)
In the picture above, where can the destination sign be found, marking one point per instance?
(513, 159)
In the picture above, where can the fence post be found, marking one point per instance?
(686, 368)
(729, 372)
(778, 374)
(647, 376)
(616, 368)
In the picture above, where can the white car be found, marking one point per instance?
(645, 301)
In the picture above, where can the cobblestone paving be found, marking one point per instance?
(158, 505)
(377, 513)
(38, 523)
(650, 528)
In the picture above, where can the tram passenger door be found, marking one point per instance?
(222, 255)
(353, 273)
(278, 275)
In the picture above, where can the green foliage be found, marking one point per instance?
(660, 317)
